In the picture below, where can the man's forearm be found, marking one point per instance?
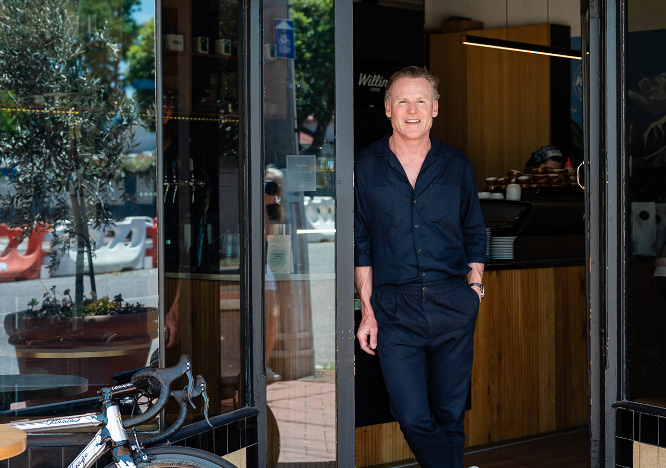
(363, 281)
(475, 275)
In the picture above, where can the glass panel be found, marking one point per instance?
(299, 195)
(201, 192)
(78, 276)
(645, 154)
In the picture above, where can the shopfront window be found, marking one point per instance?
(201, 200)
(78, 276)
(299, 195)
(645, 209)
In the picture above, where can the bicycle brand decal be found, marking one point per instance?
(53, 422)
(120, 419)
(120, 387)
(82, 460)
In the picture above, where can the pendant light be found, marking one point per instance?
(515, 46)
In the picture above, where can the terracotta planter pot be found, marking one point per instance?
(91, 347)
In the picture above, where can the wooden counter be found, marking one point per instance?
(530, 364)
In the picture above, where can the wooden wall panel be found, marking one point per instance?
(495, 104)
(379, 444)
(450, 126)
(487, 116)
(530, 363)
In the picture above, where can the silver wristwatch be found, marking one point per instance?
(480, 286)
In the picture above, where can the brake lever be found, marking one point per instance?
(190, 384)
(204, 395)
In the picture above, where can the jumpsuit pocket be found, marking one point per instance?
(443, 203)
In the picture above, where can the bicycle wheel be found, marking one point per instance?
(181, 457)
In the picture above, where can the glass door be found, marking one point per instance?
(300, 230)
(306, 191)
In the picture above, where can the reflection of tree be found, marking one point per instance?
(71, 123)
(314, 24)
(141, 65)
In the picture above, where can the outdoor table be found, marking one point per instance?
(23, 387)
(12, 441)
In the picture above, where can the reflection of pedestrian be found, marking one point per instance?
(272, 215)
(420, 244)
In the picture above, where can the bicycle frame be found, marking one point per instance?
(112, 431)
(113, 435)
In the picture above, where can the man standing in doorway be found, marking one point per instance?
(420, 251)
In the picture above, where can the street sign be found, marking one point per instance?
(284, 39)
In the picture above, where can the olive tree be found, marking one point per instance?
(66, 124)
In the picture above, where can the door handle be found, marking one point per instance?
(578, 176)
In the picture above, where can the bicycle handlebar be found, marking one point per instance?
(181, 397)
(156, 383)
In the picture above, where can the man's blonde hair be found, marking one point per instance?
(412, 72)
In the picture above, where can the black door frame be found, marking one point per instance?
(604, 175)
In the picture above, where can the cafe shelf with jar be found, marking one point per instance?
(201, 192)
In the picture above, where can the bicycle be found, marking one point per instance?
(153, 384)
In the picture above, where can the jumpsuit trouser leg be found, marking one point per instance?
(425, 347)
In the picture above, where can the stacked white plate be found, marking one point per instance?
(501, 248)
(488, 237)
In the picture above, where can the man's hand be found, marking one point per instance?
(478, 291)
(367, 332)
(172, 321)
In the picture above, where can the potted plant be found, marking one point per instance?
(93, 339)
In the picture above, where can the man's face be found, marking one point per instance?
(551, 163)
(411, 108)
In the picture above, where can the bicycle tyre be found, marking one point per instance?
(181, 457)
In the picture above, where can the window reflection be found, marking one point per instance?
(202, 226)
(78, 277)
(300, 231)
(646, 202)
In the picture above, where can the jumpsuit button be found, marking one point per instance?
(416, 226)
(414, 202)
(418, 250)
(424, 289)
(423, 274)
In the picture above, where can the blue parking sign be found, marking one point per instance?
(284, 38)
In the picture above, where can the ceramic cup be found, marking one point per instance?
(513, 192)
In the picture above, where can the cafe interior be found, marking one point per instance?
(249, 198)
(500, 107)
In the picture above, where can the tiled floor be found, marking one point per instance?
(305, 413)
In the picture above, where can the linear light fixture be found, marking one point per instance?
(520, 47)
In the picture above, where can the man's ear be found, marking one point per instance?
(435, 109)
(387, 109)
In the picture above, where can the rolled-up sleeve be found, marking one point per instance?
(362, 244)
(471, 219)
